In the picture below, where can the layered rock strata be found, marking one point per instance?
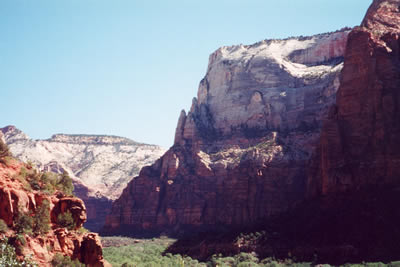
(360, 141)
(100, 166)
(15, 200)
(240, 153)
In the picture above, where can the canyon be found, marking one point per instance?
(100, 165)
(296, 139)
(349, 211)
(240, 153)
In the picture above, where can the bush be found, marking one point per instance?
(3, 226)
(60, 260)
(4, 151)
(24, 223)
(66, 220)
(65, 184)
(41, 219)
(8, 256)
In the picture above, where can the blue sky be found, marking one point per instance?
(126, 67)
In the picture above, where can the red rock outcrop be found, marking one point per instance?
(16, 199)
(240, 153)
(360, 141)
(99, 165)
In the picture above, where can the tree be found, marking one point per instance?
(4, 151)
(66, 220)
(65, 184)
(3, 226)
(41, 219)
(24, 223)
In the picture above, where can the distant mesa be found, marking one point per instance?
(100, 165)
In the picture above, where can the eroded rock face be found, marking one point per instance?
(360, 140)
(240, 153)
(16, 199)
(100, 166)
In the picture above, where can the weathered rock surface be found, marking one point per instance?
(360, 140)
(240, 153)
(100, 166)
(15, 199)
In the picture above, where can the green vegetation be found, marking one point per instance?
(3, 226)
(8, 256)
(66, 220)
(41, 219)
(24, 224)
(65, 184)
(63, 261)
(4, 151)
(46, 182)
(129, 252)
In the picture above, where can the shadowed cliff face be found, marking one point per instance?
(360, 143)
(240, 153)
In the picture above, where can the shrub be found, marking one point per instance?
(64, 261)
(8, 256)
(3, 226)
(4, 151)
(24, 223)
(41, 219)
(66, 220)
(83, 230)
(65, 184)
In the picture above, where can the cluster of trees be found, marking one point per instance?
(38, 224)
(46, 182)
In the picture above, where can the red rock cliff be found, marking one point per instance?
(16, 199)
(240, 152)
(360, 142)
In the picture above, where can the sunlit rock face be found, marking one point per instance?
(360, 142)
(101, 166)
(240, 153)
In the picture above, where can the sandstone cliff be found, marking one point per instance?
(101, 166)
(17, 200)
(353, 183)
(360, 140)
(240, 152)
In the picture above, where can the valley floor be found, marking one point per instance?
(127, 252)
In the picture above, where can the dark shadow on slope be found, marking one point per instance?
(356, 226)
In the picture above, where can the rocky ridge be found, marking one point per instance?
(240, 153)
(15, 200)
(99, 165)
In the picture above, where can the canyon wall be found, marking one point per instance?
(100, 166)
(17, 199)
(240, 153)
(360, 141)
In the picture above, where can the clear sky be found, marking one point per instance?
(126, 67)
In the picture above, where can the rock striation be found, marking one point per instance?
(240, 153)
(100, 166)
(360, 140)
(15, 200)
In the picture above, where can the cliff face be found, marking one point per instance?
(100, 166)
(16, 200)
(360, 140)
(240, 152)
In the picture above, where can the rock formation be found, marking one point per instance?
(350, 212)
(360, 142)
(15, 200)
(240, 153)
(101, 166)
